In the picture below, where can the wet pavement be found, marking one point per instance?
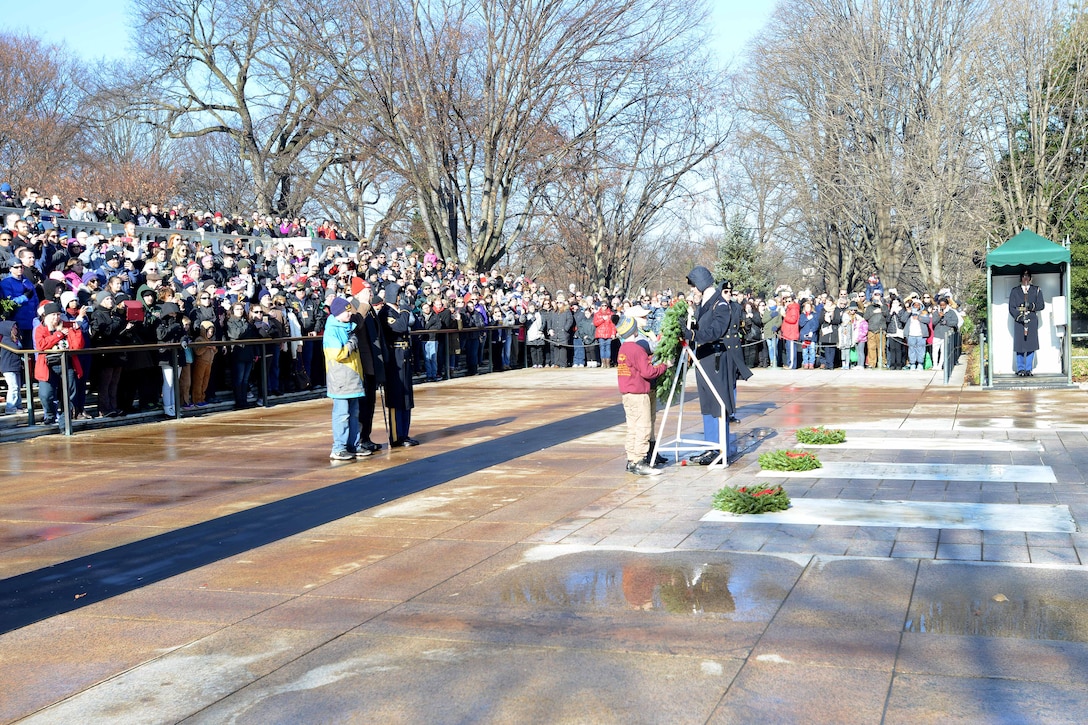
(221, 569)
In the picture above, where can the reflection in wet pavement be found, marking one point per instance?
(1040, 618)
(737, 587)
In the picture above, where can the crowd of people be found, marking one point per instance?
(37, 206)
(873, 328)
(93, 293)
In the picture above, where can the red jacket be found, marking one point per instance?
(46, 340)
(790, 329)
(634, 370)
(602, 320)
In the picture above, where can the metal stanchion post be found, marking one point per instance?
(177, 382)
(64, 407)
(28, 372)
(446, 354)
(264, 378)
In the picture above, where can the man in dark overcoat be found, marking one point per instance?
(1025, 304)
(396, 322)
(372, 353)
(718, 350)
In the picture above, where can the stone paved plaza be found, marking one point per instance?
(220, 569)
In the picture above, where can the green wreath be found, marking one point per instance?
(751, 499)
(670, 346)
(789, 461)
(820, 436)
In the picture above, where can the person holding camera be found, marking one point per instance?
(917, 331)
(896, 333)
(50, 337)
(240, 326)
(310, 314)
(169, 330)
(946, 320)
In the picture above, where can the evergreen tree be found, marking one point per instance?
(739, 259)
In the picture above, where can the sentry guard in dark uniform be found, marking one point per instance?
(1025, 304)
(372, 353)
(396, 323)
(716, 334)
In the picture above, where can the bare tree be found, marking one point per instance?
(39, 136)
(628, 175)
(468, 99)
(212, 176)
(1037, 80)
(866, 111)
(365, 197)
(232, 67)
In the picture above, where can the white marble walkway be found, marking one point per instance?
(915, 514)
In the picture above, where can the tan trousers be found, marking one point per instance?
(201, 374)
(639, 409)
(874, 350)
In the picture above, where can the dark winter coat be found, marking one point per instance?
(1024, 308)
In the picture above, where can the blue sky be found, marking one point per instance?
(101, 28)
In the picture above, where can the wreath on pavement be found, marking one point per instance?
(789, 461)
(751, 499)
(670, 346)
(820, 436)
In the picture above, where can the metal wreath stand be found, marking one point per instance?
(678, 443)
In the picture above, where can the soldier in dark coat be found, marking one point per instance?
(718, 350)
(1025, 304)
(372, 353)
(396, 321)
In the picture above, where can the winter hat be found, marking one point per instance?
(169, 308)
(700, 278)
(67, 298)
(358, 284)
(626, 327)
(49, 308)
(338, 306)
(100, 297)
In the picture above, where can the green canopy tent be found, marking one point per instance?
(1049, 264)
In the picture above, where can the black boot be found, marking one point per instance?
(658, 460)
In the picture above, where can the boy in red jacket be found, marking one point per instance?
(634, 372)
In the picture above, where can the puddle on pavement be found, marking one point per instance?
(1023, 423)
(737, 587)
(1037, 618)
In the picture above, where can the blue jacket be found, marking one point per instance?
(810, 329)
(22, 291)
(343, 364)
(10, 362)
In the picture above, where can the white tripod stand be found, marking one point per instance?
(678, 444)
